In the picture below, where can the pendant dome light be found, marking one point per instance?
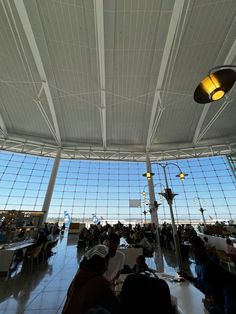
(216, 84)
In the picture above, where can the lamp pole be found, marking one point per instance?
(154, 218)
(169, 196)
(201, 210)
(143, 194)
(203, 218)
(145, 213)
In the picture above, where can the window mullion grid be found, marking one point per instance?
(209, 191)
(192, 174)
(40, 185)
(29, 177)
(218, 179)
(15, 180)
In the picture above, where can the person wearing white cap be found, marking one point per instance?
(89, 288)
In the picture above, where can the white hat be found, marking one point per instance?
(100, 250)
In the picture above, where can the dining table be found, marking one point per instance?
(9, 251)
(185, 297)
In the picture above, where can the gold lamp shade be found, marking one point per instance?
(214, 86)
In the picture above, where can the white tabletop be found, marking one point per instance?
(19, 245)
(7, 253)
(186, 297)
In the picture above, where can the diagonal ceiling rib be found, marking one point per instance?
(20, 7)
(3, 128)
(99, 25)
(158, 110)
(197, 136)
(214, 118)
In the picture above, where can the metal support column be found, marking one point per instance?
(51, 184)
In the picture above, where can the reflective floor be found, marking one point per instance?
(43, 289)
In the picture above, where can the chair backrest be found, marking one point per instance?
(35, 252)
(45, 245)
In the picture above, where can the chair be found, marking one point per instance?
(224, 258)
(54, 245)
(33, 254)
(45, 250)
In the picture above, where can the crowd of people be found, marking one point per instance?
(137, 236)
(93, 288)
(103, 263)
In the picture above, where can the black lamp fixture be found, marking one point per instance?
(216, 84)
(148, 175)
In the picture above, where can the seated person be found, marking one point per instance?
(116, 258)
(208, 247)
(21, 234)
(140, 265)
(231, 250)
(42, 239)
(213, 280)
(89, 288)
(142, 294)
(146, 245)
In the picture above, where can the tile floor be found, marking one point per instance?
(44, 289)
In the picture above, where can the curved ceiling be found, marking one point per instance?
(115, 79)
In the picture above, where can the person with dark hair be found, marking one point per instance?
(146, 246)
(116, 258)
(142, 293)
(140, 265)
(89, 288)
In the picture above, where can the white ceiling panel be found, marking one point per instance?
(115, 78)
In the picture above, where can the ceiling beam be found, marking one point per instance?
(157, 109)
(23, 15)
(82, 153)
(99, 31)
(198, 134)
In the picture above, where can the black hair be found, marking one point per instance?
(228, 241)
(113, 237)
(95, 264)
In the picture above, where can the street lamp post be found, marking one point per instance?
(203, 218)
(145, 213)
(201, 211)
(153, 207)
(169, 196)
(143, 194)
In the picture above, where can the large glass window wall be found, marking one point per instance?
(104, 189)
